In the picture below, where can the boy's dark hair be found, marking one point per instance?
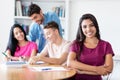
(33, 8)
(52, 25)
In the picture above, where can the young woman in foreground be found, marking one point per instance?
(89, 54)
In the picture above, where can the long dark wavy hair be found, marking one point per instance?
(13, 42)
(80, 37)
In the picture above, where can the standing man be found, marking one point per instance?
(39, 18)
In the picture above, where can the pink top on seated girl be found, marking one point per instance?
(26, 50)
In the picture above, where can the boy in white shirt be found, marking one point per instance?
(56, 49)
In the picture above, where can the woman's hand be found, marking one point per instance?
(7, 59)
(33, 60)
(102, 70)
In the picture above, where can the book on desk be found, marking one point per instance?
(19, 63)
(15, 64)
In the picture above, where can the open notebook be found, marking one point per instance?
(19, 63)
(15, 63)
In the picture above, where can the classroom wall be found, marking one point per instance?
(107, 13)
(6, 20)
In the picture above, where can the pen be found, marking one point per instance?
(45, 69)
(4, 54)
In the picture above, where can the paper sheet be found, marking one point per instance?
(49, 68)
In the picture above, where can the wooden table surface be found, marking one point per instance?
(25, 73)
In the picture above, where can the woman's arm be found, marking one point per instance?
(86, 72)
(33, 50)
(109, 62)
(95, 70)
(33, 53)
(108, 66)
(72, 62)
